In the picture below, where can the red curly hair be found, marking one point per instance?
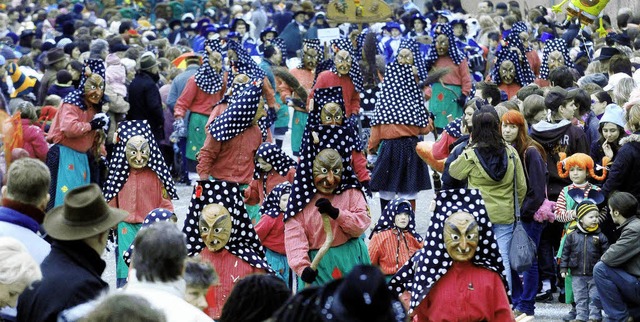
(583, 161)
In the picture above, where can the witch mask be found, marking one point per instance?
(137, 151)
(343, 61)
(309, 58)
(331, 114)
(327, 171)
(461, 236)
(215, 226)
(405, 57)
(94, 89)
(442, 45)
(555, 60)
(507, 72)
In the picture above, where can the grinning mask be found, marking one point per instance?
(461, 236)
(327, 171)
(94, 89)
(137, 152)
(310, 58)
(507, 72)
(555, 60)
(405, 57)
(331, 114)
(215, 61)
(215, 226)
(343, 61)
(263, 165)
(442, 45)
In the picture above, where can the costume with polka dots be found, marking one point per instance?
(326, 95)
(119, 166)
(418, 59)
(239, 114)
(388, 216)
(550, 46)
(400, 101)
(432, 262)
(96, 66)
(271, 204)
(244, 242)
(303, 188)
(524, 74)
(453, 128)
(245, 64)
(273, 155)
(279, 42)
(454, 52)
(354, 71)
(315, 44)
(207, 79)
(154, 216)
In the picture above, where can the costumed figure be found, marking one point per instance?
(327, 212)
(555, 54)
(77, 133)
(394, 238)
(509, 73)
(472, 51)
(295, 90)
(409, 54)
(400, 117)
(519, 38)
(586, 11)
(154, 216)
(218, 228)
(372, 66)
(270, 230)
(201, 92)
(448, 96)
(459, 260)
(272, 167)
(138, 182)
(233, 134)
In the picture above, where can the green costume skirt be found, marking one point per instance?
(126, 234)
(196, 134)
(279, 264)
(254, 213)
(282, 120)
(297, 129)
(443, 102)
(339, 261)
(73, 172)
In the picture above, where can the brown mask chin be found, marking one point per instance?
(215, 226)
(405, 57)
(461, 236)
(343, 61)
(507, 72)
(94, 89)
(331, 114)
(137, 151)
(327, 171)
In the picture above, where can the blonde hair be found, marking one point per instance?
(16, 264)
(623, 90)
(633, 117)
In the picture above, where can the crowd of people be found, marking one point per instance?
(107, 106)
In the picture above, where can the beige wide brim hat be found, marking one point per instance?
(85, 213)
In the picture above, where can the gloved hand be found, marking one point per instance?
(324, 207)
(462, 100)
(367, 190)
(100, 120)
(309, 275)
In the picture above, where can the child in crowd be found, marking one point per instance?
(63, 84)
(394, 238)
(48, 111)
(199, 276)
(270, 229)
(581, 251)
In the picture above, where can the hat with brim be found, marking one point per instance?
(54, 55)
(607, 53)
(268, 30)
(84, 213)
(147, 61)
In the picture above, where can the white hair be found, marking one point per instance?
(16, 264)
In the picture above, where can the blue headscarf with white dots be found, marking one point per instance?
(400, 101)
(388, 217)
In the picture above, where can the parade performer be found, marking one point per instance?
(326, 207)
(76, 135)
(241, 63)
(469, 270)
(555, 54)
(138, 182)
(509, 73)
(218, 228)
(472, 51)
(154, 216)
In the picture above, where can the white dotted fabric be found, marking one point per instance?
(239, 114)
(400, 101)
(524, 74)
(77, 96)
(418, 59)
(456, 55)
(244, 242)
(271, 204)
(550, 46)
(119, 166)
(207, 79)
(387, 219)
(274, 156)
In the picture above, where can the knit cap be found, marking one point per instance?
(584, 208)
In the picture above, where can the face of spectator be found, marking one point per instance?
(241, 29)
(568, 110)
(196, 296)
(589, 220)
(509, 132)
(458, 29)
(578, 175)
(418, 25)
(483, 7)
(300, 18)
(401, 220)
(610, 132)
(596, 106)
(395, 32)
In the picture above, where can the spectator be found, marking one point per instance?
(63, 84)
(54, 61)
(199, 276)
(147, 103)
(255, 298)
(124, 307)
(32, 136)
(18, 270)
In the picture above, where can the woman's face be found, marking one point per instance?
(509, 132)
(401, 220)
(610, 132)
(75, 53)
(468, 116)
(9, 294)
(596, 106)
(418, 25)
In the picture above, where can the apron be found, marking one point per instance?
(443, 102)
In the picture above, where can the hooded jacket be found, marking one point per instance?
(493, 175)
(555, 138)
(625, 171)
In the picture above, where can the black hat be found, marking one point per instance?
(607, 53)
(54, 55)
(63, 77)
(148, 61)
(557, 96)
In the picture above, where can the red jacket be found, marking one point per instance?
(33, 140)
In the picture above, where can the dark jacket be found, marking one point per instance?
(145, 103)
(447, 181)
(70, 276)
(535, 169)
(582, 251)
(625, 171)
(555, 138)
(292, 38)
(625, 253)
(61, 91)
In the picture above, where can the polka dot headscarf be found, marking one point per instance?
(400, 101)
(322, 96)
(524, 74)
(418, 59)
(207, 79)
(454, 52)
(303, 188)
(154, 216)
(240, 111)
(279, 42)
(77, 96)
(273, 155)
(315, 44)
(387, 219)
(245, 64)
(119, 166)
(453, 128)
(550, 46)
(244, 242)
(354, 71)
(271, 204)
(432, 262)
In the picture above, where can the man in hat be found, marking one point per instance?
(54, 61)
(145, 102)
(294, 32)
(71, 272)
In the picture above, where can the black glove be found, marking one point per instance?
(309, 275)
(325, 207)
(97, 123)
(462, 100)
(367, 190)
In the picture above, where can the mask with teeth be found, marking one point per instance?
(215, 226)
(461, 236)
(331, 114)
(137, 152)
(327, 171)
(94, 89)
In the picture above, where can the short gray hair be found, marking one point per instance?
(98, 46)
(16, 264)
